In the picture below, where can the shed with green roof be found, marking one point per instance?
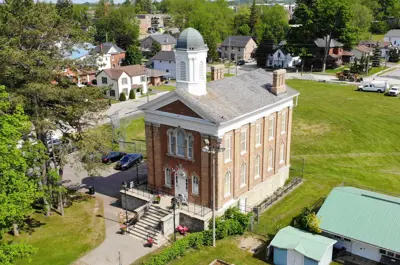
(363, 222)
(296, 247)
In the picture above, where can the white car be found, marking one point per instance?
(394, 91)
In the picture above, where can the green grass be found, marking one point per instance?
(377, 37)
(334, 71)
(134, 129)
(113, 101)
(62, 240)
(163, 88)
(375, 70)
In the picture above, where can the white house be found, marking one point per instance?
(362, 50)
(164, 61)
(364, 223)
(393, 36)
(123, 79)
(281, 59)
(108, 55)
(292, 246)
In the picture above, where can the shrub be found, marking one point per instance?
(307, 220)
(122, 97)
(132, 94)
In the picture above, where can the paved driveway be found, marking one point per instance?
(116, 247)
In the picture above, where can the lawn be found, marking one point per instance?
(62, 240)
(334, 71)
(375, 70)
(163, 88)
(377, 37)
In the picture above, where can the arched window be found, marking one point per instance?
(282, 154)
(227, 187)
(243, 172)
(190, 146)
(201, 66)
(180, 140)
(168, 177)
(182, 70)
(271, 159)
(195, 185)
(257, 167)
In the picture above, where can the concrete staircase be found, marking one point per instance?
(148, 225)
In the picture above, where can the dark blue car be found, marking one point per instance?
(112, 157)
(128, 161)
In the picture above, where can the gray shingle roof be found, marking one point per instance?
(105, 48)
(321, 42)
(163, 56)
(163, 39)
(230, 98)
(393, 33)
(236, 41)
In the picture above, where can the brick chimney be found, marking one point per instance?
(217, 72)
(278, 82)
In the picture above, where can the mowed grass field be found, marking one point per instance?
(340, 135)
(62, 240)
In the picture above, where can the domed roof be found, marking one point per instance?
(190, 39)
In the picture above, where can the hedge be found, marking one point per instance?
(233, 222)
(132, 94)
(122, 97)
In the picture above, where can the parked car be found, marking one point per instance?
(394, 91)
(112, 157)
(375, 86)
(241, 62)
(128, 161)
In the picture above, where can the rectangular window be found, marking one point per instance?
(243, 172)
(104, 80)
(258, 134)
(243, 141)
(226, 48)
(172, 143)
(270, 159)
(181, 143)
(112, 93)
(227, 143)
(390, 254)
(271, 128)
(195, 185)
(257, 167)
(397, 256)
(382, 251)
(143, 78)
(283, 122)
(282, 154)
(227, 184)
(190, 147)
(124, 81)
(168, 177)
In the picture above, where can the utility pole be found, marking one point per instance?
(236, 61)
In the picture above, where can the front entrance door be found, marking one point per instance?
(181, 183)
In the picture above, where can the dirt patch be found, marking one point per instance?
(304, 128)
(250, 243)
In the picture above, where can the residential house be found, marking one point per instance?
(151, 22)
(249, 115)
(364, 223)
(155, 77)
(243, 47)
(86, 77)
(282, 59)
(393, 36)
(164, 61)
(292, 246)
(166, 41)
(362, 51)
(108, 55)
(317, 49)
(384, 46)
(123, 79)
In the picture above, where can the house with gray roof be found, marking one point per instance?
(107, 55)
(248, 118)
(166, 41)
(364, 223)
(164, 61)
(242, 47)
(393, 36)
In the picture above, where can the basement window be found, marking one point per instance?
(346, 239)
(382, 251)
(397, 256)
(390, 254)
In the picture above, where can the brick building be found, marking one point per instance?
(250, 115)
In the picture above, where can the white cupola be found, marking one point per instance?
(191, 62)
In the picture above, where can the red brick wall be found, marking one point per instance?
(117, 58)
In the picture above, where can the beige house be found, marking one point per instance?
(166, 41)
(242, 46)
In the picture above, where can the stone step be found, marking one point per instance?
(157, 212)
(154, 207)
(145, 226)
(149, 220)
(143, 232)
(156, 242)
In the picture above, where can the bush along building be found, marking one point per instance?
(248, 118)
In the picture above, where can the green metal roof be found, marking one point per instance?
(364, 216)
(311, 246)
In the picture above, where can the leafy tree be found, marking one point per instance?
(132, 94)
(155, 48)
(394, 55)
(119, 26)
(361, 21)
(244, 30)
(275, 24)
(307, 220)
(143, 6)
(79, 14)
(329, 19)
(122, 96)
(133, 55)
(18, 191)
(64, 8)
(242, 17)
(10, 252)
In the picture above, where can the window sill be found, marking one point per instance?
(227, 195)
(195, 194)
(168, 186)
(257, 177)
(242, 186)
(283, 132)
(243, 152)
(271, 138)
(228, 160)
(258, 145)
(181, 157)
(281, 162)
(270, 169)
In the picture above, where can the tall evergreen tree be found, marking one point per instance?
(64, 8)
(376, 59)
(254, 17)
